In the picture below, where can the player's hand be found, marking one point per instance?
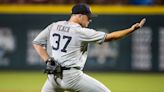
(138, 25)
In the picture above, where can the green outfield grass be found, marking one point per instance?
(117, 82)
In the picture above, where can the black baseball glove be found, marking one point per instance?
(52, 66)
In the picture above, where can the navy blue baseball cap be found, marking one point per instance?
(82, 8)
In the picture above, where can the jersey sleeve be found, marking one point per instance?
(90, 35)
(43, 36)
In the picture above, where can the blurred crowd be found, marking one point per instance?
(110, 2)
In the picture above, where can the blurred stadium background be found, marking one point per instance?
(132, 64)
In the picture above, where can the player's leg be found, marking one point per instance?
(49, 85)
(89, 84)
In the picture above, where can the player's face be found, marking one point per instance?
(85, 20)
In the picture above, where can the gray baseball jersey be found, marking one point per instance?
(69, 42)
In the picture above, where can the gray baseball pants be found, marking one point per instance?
(75, 80)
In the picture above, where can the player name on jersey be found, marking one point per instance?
(63, 28)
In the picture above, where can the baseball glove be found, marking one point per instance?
(52, 66)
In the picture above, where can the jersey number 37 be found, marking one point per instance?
(58, 39)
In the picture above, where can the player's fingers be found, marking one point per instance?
(142, 22)
(136, 25)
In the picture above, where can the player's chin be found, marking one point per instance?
(86, 25)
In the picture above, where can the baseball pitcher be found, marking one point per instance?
(69, 41)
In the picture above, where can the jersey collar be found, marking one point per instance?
(74, 24)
